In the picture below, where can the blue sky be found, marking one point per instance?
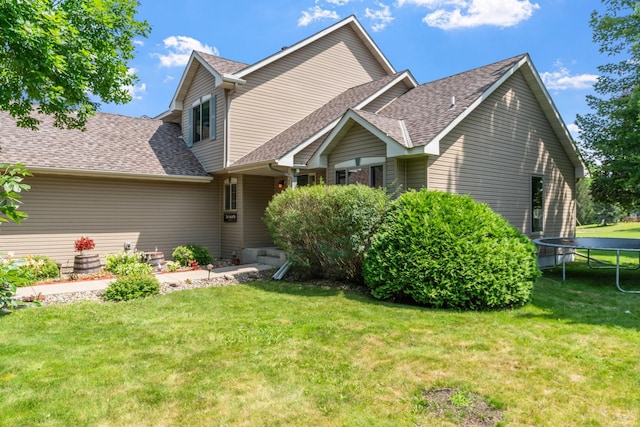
(432, 38)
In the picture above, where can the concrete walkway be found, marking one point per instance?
(178, 276)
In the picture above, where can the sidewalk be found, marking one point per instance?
(178, 276)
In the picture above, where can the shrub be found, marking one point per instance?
(133, 286)
(200, 254)
(445, 250)
(326, 230)
(38, 267)
(182, 255)
(127, 263)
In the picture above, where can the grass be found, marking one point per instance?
(628, 230)
(278, 353)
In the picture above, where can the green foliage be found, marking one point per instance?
(200, 254)
(133, 286)
(611, 134)
(445, 250)
(57, 55)
(182, 255)
(11, 185)
(326, 230)
(10, 278)
(127, 263)
(38, 267)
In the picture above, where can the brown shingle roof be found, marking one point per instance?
(289, 139)
(390, 126)
(426, 109)
(222, 65)
(111, 143)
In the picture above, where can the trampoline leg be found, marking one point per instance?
(618, 276)
(563, 267)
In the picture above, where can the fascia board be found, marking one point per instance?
(219, 79)
(560, 126)
(118, 175)
(284, 52)
(431, 146)
(287, 159)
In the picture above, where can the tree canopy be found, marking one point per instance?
(611, 133)
(58, 55)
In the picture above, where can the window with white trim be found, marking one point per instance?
(230, 194)
(537, 203)
(202, 119)
(372, 176)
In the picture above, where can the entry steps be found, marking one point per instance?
(269, 256)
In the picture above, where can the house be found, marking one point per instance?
(329, 107)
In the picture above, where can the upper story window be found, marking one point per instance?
(202, 119)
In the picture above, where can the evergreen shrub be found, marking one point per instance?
(133, 286)
(444, 250)
(326, 230)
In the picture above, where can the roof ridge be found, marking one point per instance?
(513, 58)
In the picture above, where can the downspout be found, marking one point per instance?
(287, 174)
(227, 113)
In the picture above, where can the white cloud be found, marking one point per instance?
(337, 2)
(179, 50)
(138, 42)
(316, 13)
(573, 129)
(381, 17)
(561, 79)
(168, 79)
(136, 92)
(451, 14)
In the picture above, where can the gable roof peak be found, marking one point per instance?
(351, 21)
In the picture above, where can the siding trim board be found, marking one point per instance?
(351, 20)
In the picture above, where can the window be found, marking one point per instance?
(202, 119)
(373, 176)
(230, 194)
(537, 203)
(304, 180)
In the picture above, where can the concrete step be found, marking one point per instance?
(275, 261)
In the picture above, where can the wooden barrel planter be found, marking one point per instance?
(86, 264)
(155, 259)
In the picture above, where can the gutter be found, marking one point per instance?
(118, 175)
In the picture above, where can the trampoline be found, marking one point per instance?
(595, 243)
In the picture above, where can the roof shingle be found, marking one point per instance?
(301, 131)
(110, 143)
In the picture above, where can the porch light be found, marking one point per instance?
(281, 184)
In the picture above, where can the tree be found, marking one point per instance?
(55, 55)
(611, 134)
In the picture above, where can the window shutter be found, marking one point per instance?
(190, 134)
(213, 108)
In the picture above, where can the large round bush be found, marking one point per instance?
(446, 250)
(326, 230)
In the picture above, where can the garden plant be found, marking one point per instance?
(445, 250)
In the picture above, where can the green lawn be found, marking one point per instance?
(272, 353)
(627, 230)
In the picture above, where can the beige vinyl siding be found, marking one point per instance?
(257, 193)
(357, 143)
(208, 151)
(416, 173)
(385, 98)
(298, 83)
(305, 154)
(494, 152)
(150, 215)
